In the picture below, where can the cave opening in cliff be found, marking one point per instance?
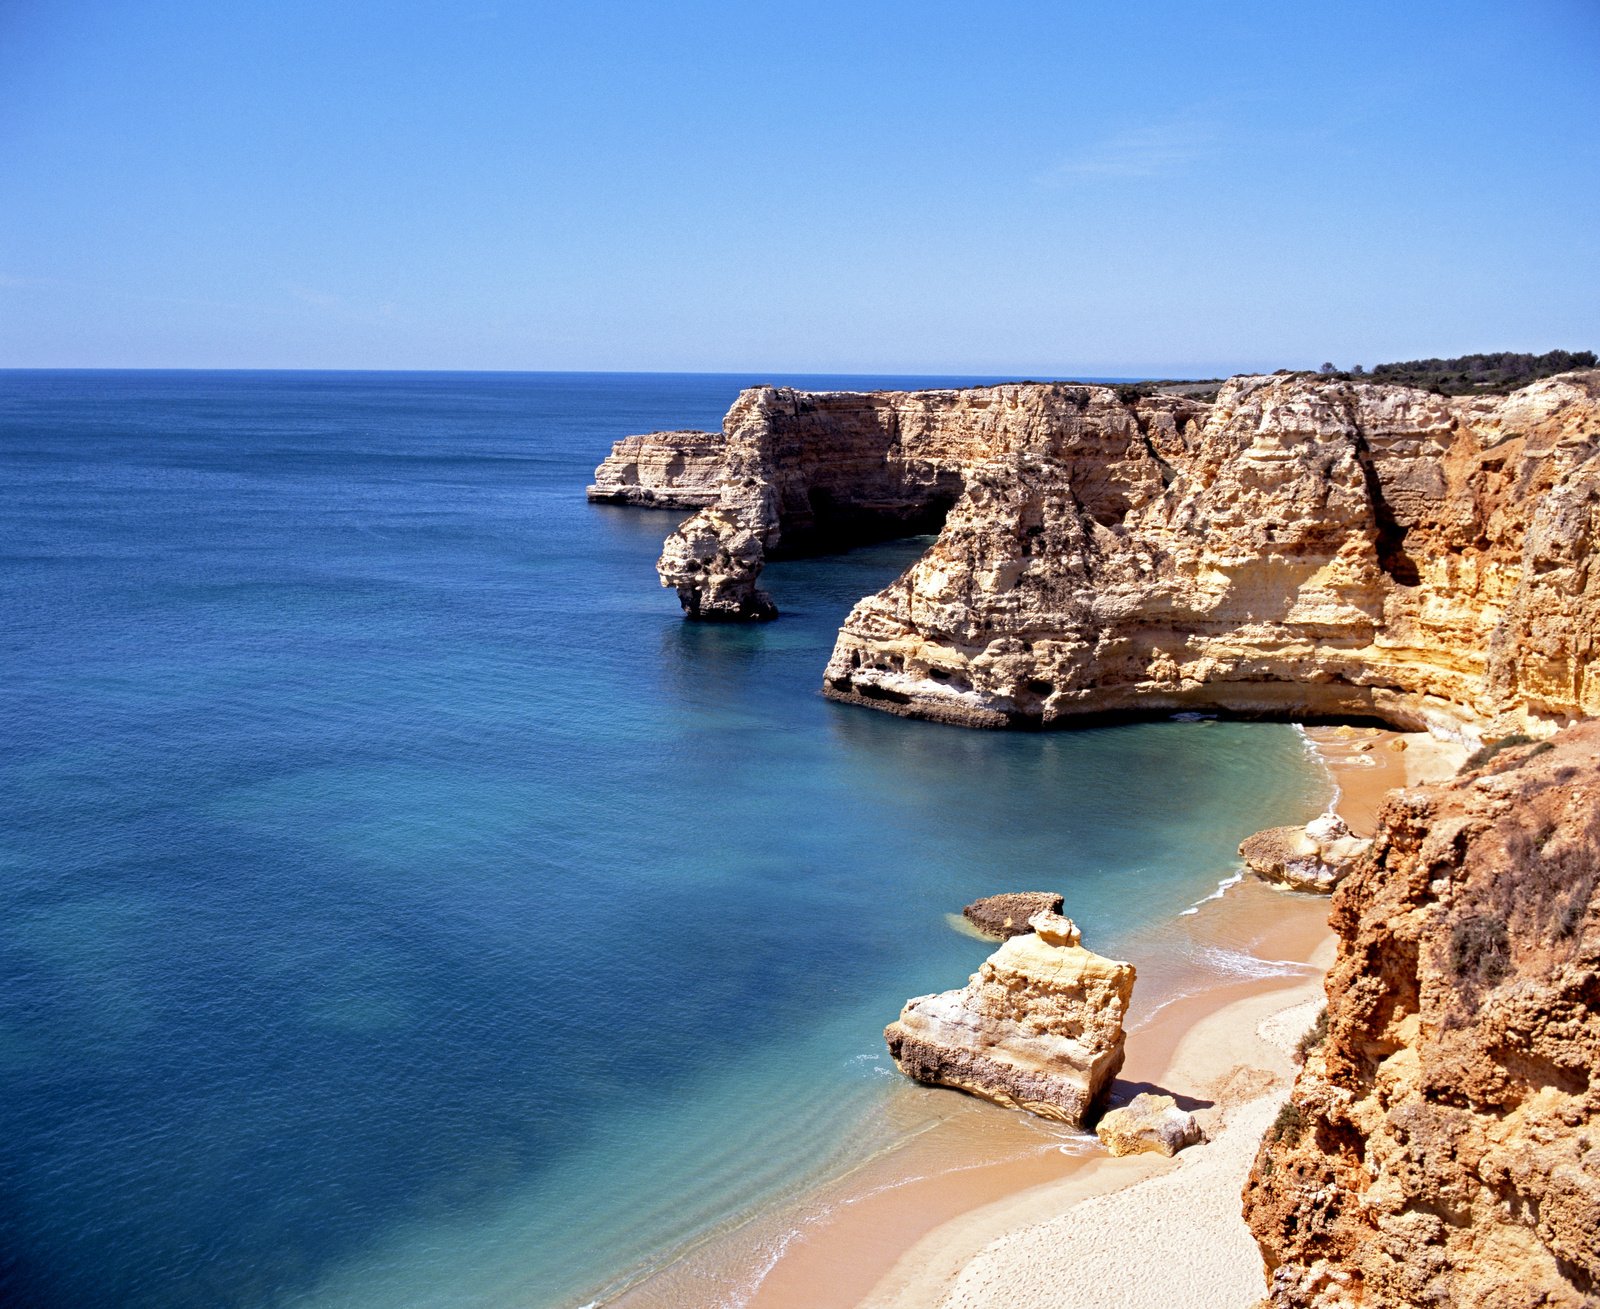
(831, 523)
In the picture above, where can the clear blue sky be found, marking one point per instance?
(1032, 189)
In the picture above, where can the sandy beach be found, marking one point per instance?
(992, 1210)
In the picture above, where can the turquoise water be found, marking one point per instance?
(404, 906)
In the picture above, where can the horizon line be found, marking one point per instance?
(1017, 375)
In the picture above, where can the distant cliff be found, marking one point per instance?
(1442, 1145)
(1303, 547)
(662, 470)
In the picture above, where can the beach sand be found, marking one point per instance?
(993, 1210)
(1368, 762)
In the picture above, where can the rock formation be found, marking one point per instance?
(809, 471)
(662, 470)
(1442, 1146)
(1315, 857)
(714, 563)
(1148, 1124)
(1038, 1026)
(1303, 547)
(1006, 915)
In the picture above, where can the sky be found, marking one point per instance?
(1028, 189)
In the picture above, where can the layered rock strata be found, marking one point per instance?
(1442, 1146)
(662, 470)
(1038, 1026)
(1313, 858)
(1300, 548)
(811, 471)
(1006, 915)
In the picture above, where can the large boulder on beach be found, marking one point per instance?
(1148, 1124)
(1315, 858)
(1006, 915)
(1037, 1027)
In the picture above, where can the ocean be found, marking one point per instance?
(404, 906)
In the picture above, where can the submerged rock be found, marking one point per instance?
(1006, 915)
(1149, 1124)
(1038, 1026)
(1316, 857)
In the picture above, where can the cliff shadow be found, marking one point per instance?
(1121, 1092)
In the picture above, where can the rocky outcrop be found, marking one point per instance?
(1006, 915)
(1442, 1145)
(1314, 858)
(714, 563)
(1038, 1026)
(662, 470)
(1148, 1124)
(1301, 549)
(811, 471)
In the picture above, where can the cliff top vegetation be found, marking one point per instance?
(1487, 374)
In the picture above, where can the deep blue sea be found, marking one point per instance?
(400, 905)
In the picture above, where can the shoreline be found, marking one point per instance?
(936, 1220)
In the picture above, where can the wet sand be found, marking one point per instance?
(1368, 762)
(948, 1218)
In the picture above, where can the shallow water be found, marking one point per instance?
(403, 905)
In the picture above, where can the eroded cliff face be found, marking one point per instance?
(812, 471)
(1301, 549)
(662, 470)
(1442, 1147)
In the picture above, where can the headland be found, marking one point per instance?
(1316, 550)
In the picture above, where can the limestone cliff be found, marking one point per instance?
(662, 470)
(1038, 1026)
(1303, 547)
(1442, 1146)
(810, 471)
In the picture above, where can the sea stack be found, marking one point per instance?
(713, 562)
(1038, 1026)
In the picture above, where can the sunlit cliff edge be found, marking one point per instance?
(1301, 548)
(1442, 1143)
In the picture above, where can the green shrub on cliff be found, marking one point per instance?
(1314, 1038)
(1486, 374)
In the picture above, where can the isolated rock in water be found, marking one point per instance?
(1148, 1124)
(1006, 915)
(662, 470)
(1442, 1145)
(1315, 857)
(1038, 1026)
(713, 561)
